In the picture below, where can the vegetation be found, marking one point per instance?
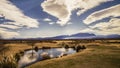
(36, 49)
(98, 54)
(92, 57)
(8, 62)
(66, 46)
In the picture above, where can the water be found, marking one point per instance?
(43, 54)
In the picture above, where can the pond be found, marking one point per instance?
(31, 56)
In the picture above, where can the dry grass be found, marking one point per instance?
(101, 56)
(93, 57)
(13, 48)
(97, 55)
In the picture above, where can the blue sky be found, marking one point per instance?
(47, 18)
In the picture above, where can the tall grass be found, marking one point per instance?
(8, 62)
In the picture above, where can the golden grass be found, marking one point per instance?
(97, 55)
(92, 57)
(17, 47)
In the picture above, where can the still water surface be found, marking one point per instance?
(29, 58)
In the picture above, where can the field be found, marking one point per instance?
(98, 53)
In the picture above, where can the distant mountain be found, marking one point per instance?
(78, 36)
(86, 36)
(59, 37)
(113, 36)
(83, 35)
(74, 36)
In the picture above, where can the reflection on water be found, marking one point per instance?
(43, 54)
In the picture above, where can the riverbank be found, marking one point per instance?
(93, 57)
(99, 54)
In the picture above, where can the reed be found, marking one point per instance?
(8, 62)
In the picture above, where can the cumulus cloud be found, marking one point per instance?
(98, 15)
(105, 28)
(62, 9)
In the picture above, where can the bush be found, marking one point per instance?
(36, 49)
(61, 44)
(66, 46)
(77, 48)
(83, 47)
(21, 53)
(73, 47)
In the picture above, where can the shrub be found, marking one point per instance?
(77, 48)
(36, 49)
(62, 44)
(83, 47)
(21, 53)
(66, 46)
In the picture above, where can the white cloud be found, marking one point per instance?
(51, 23)
(87, 30)
(57, 8)
(85, 5)
(7, 34)
(98, 15)
(62, 9)
(105, 28)
(9, 26)
(47, 20)
(13, 13)
(69, 23)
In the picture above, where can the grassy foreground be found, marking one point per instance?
(93, 57)
(99, 54)
(13, 48)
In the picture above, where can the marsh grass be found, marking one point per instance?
(97, 55)
(8, 62)
(92, 57)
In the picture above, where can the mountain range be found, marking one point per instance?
(82, 36)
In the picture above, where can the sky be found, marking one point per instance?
(48, 18)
